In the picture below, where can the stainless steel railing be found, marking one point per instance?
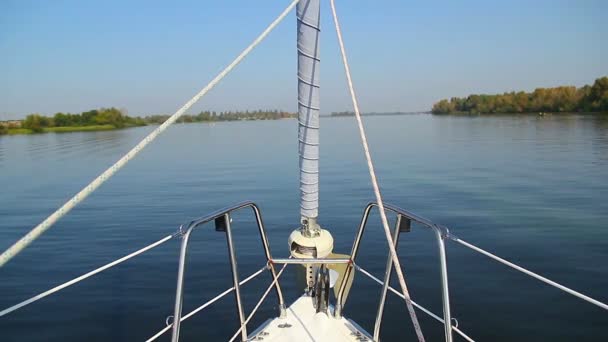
(222, 223)
(404, 219)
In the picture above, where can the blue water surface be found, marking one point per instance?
(531, 189)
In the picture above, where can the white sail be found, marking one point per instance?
(308, 106)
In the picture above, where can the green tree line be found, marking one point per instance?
(210, 116)
(115, 118)
(559, 99)
(103, 116)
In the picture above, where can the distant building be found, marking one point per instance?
(11, 123)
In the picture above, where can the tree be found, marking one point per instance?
(597, 99)
(443, 107)
(35, 122)
(110, 116)
(62, 120)
(559, 99)
(88, 118)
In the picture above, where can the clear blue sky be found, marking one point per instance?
(151, 56)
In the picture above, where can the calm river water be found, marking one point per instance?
(533, 190)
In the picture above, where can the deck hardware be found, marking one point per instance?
(321, 289)
(220, 224)
(404, 224)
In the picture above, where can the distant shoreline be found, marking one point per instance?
(99, 128)
(348, 114)
(105, 119)
(519, 113)
(562, 99)
(64, 129)
(108, 127)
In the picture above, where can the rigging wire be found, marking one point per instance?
(85, 276)
(273, 284)
(530, 273)
(206, 304)
(374, 180)
(420, 307)
(87, 190)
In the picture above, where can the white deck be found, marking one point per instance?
(302, 323)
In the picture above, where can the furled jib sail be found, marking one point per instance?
(308, 106)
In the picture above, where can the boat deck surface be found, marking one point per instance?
(303, 323)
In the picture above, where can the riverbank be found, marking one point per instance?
(105, 119)
(540, 114)
(65, 129)
(562, 99)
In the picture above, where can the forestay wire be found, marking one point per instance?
(87, 190)
(374, 180)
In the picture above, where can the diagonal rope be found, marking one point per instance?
(374, 180)
(87, 190)
(273, 284)
(420, 307)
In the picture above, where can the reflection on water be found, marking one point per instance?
(529, 188)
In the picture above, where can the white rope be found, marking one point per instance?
(259, 303)
(420, 307)
(87, 190)
(84, 276)
(532, 274)
(374, 180)
(215, 299)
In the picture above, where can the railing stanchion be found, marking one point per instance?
(235, 278)
(447, 317)
(349, 269)
(440, 233)
(387, 279)
(273, 272)
(177, 313)
(222, 221)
